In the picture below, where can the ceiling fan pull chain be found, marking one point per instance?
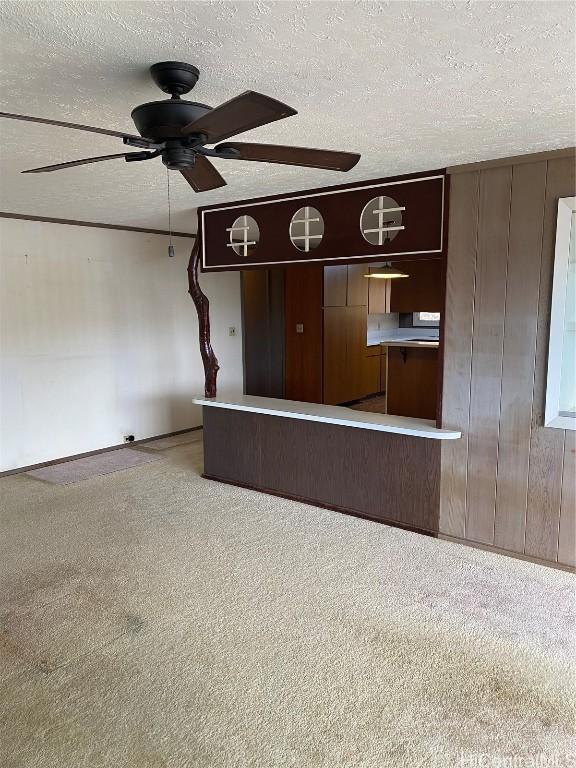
(170, 246)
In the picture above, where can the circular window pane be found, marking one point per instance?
(381, 220)
(244, 236)
(307, 229)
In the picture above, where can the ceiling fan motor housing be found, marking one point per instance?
(161, 120)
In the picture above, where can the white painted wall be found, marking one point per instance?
(99, 339)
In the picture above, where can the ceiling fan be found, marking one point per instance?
(178, 131)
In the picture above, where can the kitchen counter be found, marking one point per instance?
(411, 343)
(331, 414)
(406, 337)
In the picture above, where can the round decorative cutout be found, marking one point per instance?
(381, 220)
(244, 236)
(307, 229)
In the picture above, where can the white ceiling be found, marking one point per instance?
(411, 85)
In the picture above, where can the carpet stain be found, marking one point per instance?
(134, 624)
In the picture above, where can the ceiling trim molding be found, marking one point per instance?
(73, 222)
(516, 160)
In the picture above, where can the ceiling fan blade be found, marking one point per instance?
(76, 126)
(203, 176)
(247, 111)
(275, 153)
(84, 161)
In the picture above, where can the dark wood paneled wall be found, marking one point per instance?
(387, 477)
(509, 482)
(263, 332)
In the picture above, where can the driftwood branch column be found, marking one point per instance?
(203, 309)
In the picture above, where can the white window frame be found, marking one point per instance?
(552, 416)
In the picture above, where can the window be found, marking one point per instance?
(561, 382)
(423, 319)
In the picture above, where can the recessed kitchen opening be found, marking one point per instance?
(334, 335)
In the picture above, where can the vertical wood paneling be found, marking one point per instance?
(520, 325)
(509, 482)
(263, 332)
(567, 534)
(487, 341)
(458, 325)
(547, 445)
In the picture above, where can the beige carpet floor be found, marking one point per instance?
(153, 619)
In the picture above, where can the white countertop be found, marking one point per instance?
(405, 337)
(407, 343)
(331, 414)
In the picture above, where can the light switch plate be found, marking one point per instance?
(299, 327)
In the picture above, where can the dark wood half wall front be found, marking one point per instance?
(509, 482)
(382, 476)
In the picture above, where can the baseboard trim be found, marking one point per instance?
(394, 524)
(507, 553)
(64, 459)
(322, 505)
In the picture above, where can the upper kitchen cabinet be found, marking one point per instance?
(335, 286)
(357, 295)
(378, 293)
(421, 291)
(345, 286)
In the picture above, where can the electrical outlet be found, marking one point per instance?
(231, 331)
(128, 438)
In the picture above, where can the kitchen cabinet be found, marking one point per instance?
(412, 381)
(378, 294)
(421, 291)
(357, 294)
(375, 370)
(371, 379)
(345, 286)
(335, 286)
(344, 354)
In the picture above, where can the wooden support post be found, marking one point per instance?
(202, 304)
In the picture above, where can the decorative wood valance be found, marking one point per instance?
(395, 218)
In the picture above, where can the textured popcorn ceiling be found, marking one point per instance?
(410, 85)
